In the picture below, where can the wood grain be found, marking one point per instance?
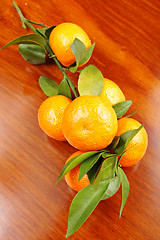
(127, 37)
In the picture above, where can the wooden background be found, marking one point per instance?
(127, 37)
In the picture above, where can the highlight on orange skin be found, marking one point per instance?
(112, 92)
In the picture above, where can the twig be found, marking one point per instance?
(28, 23)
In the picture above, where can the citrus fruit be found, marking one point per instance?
(112, 92)
(71, 177)
(50, 116)
(137, 146)
(89, 123)
(62, 37)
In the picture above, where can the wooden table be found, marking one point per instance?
(127, 37)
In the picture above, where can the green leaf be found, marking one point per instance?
(108, 154)
(122, 107)
(32, 53)
(33, 38)
(124, 140)
(42, 31)
(108, 167)
(130, 114)
(125, 189)
(88, 164)
(48, 86)
(113, 187)
(74, 162)
(46, 31)
(114, 143)
(83, 205)
(88, 54)
(81, 54)
(79, 50)
(94, 170)
(97, 179)
(64, 89)
(90, 81)
(107, 170)
(49, 30)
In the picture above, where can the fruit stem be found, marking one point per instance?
(72, 86)
(28, 23)
(40, 24)
(23, 19)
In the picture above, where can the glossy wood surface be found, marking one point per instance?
(127, 37)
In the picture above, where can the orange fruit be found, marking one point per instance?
(112, 92)
(71, 177)
(62, 37)
(50, 116)
(89, 123)
(137, 146)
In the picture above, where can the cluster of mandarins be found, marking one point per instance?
(88, 123)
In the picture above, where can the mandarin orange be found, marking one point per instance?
(137, 146)
(62, 37)
(89, 123)
(50, 116)
(112, 92)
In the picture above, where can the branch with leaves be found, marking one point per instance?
(105, 176)
(34, 47)
(102, 167)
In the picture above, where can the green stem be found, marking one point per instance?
(20, 14)
(28, 23)
(30, 26)
(72, 86)
(40, 24)
(23, 19)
